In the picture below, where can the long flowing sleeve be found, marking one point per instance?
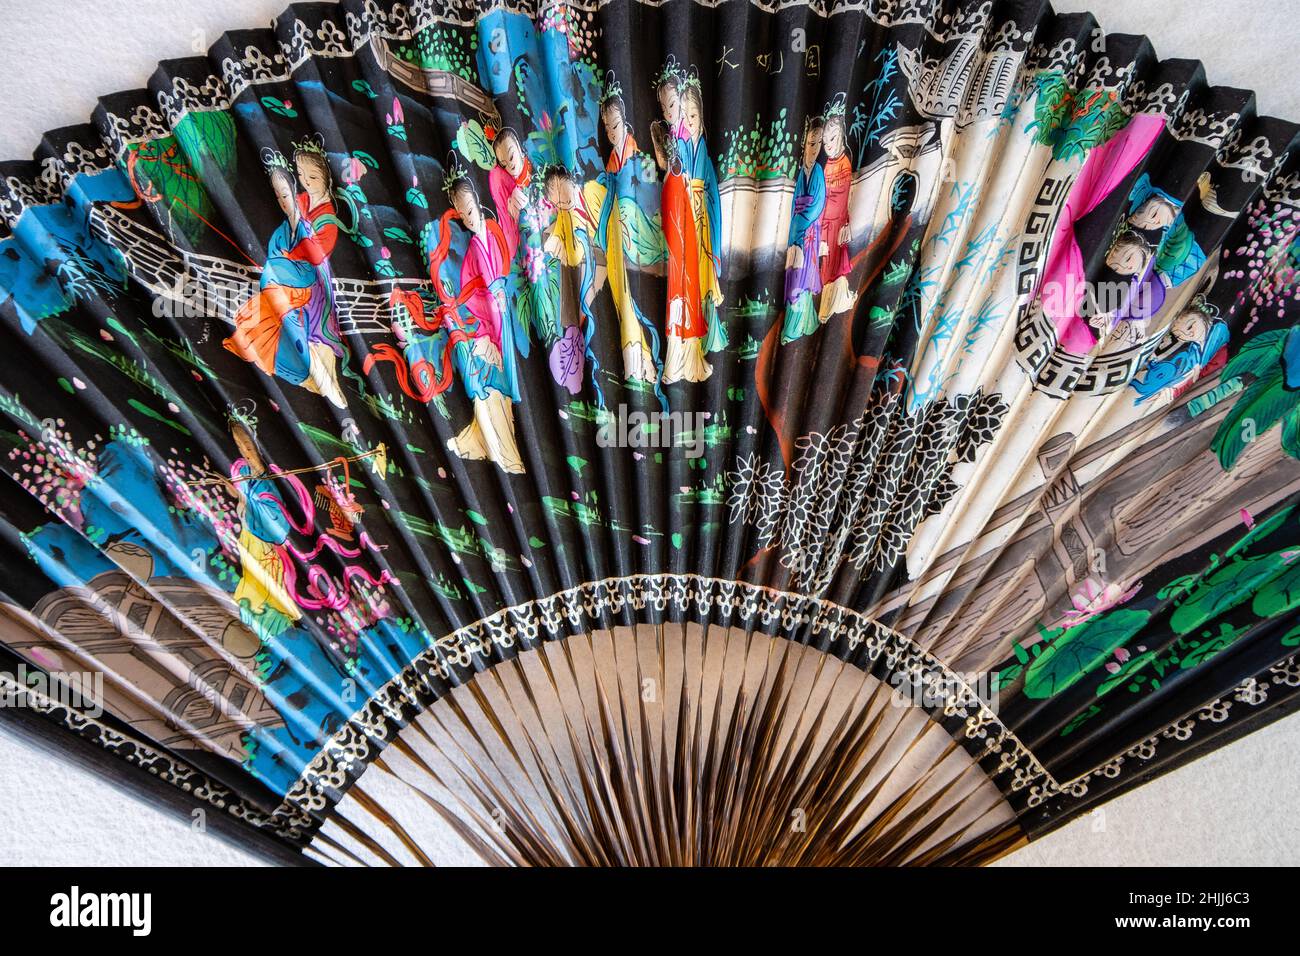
(808, 204)
(715, 205)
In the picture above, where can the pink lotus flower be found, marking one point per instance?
(1092, 599)
(353, 170)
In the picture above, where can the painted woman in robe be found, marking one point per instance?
(316, 205)
(289, 329)
(485, 342)
(1179, 256)
(568, 240)
(669, 89)
(472, 334)
(1202, 339)
(706, 203)
(1159, 257)
(508, 181)
(618, 231)
(1130, 324)
(803, 280)
(836, 234)
(266, 604)
(322, 572)
(684, 359)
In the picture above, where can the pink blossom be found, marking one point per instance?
(1092, 599)
(353, 170)
(534, 264)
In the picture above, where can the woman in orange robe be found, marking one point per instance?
(686, 326)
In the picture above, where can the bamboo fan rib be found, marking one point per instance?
(672, 747)
(628, 433)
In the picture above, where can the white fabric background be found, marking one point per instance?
(56, 56)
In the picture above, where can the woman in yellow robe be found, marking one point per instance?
(265, 604)
(638, 360)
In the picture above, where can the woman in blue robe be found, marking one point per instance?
(282, 330)
(1201, 337)
(803, 280)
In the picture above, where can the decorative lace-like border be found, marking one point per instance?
(294, 41)
(654, 599)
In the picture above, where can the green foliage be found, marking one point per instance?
(440, 48)
(1281, 593)
(1269, 581)
(897, 272)
(1073, 654)
(1209, 645)
(170, 170)
(1079, 719)
(279, 107)
(1130, 672)
(208, 139)
(760, 154)
(473, 144)
(1072, 121)
(1263, 403)
(1230, 585)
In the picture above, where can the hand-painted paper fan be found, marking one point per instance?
(665, 433)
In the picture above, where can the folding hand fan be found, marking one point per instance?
(665, 433)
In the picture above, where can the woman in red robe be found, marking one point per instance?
(686, 327)
(836, 295)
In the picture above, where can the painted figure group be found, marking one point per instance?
(817, 262)
(590, 236)
(290, 328)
